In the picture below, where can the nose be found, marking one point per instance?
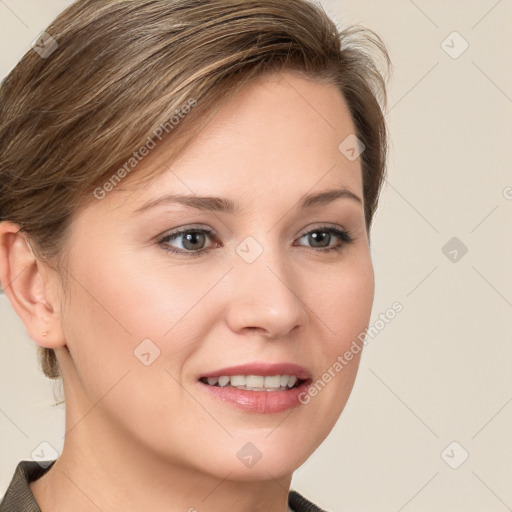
(265, 297)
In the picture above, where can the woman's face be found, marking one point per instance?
(255, 287)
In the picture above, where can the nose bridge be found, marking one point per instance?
(266, 293)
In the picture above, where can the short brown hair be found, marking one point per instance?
(123, 68)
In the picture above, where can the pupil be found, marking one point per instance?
(319, 236)
(191, 238)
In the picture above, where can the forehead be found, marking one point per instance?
(279, 135)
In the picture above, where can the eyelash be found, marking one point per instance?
(343, 236)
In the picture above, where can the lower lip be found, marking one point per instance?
(262, 402)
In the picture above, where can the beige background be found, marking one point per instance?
(441, 370)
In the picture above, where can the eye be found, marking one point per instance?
(321, 238)
(191, 240)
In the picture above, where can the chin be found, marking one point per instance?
(264, 455)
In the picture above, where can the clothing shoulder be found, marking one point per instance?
(19, 497)
(299, 503)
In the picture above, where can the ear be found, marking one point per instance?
(29, 287)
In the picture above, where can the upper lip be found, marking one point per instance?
(264, 369)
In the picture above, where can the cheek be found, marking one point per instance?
(345, 304)
(116, 303)
(160, 294)
(344, 308)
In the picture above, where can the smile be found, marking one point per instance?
(258, 387)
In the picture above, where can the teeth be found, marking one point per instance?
(254, 382)
(223, 381)
(273, 381)
(237, 380)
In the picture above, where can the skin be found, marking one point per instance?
(147, 437)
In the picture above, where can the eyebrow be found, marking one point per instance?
(220, 204)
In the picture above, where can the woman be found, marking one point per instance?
(187, 190)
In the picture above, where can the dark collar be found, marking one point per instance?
(300, 504)
(19, 497)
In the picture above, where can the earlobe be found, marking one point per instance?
(25, 282)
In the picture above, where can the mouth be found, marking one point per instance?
(258, 387)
